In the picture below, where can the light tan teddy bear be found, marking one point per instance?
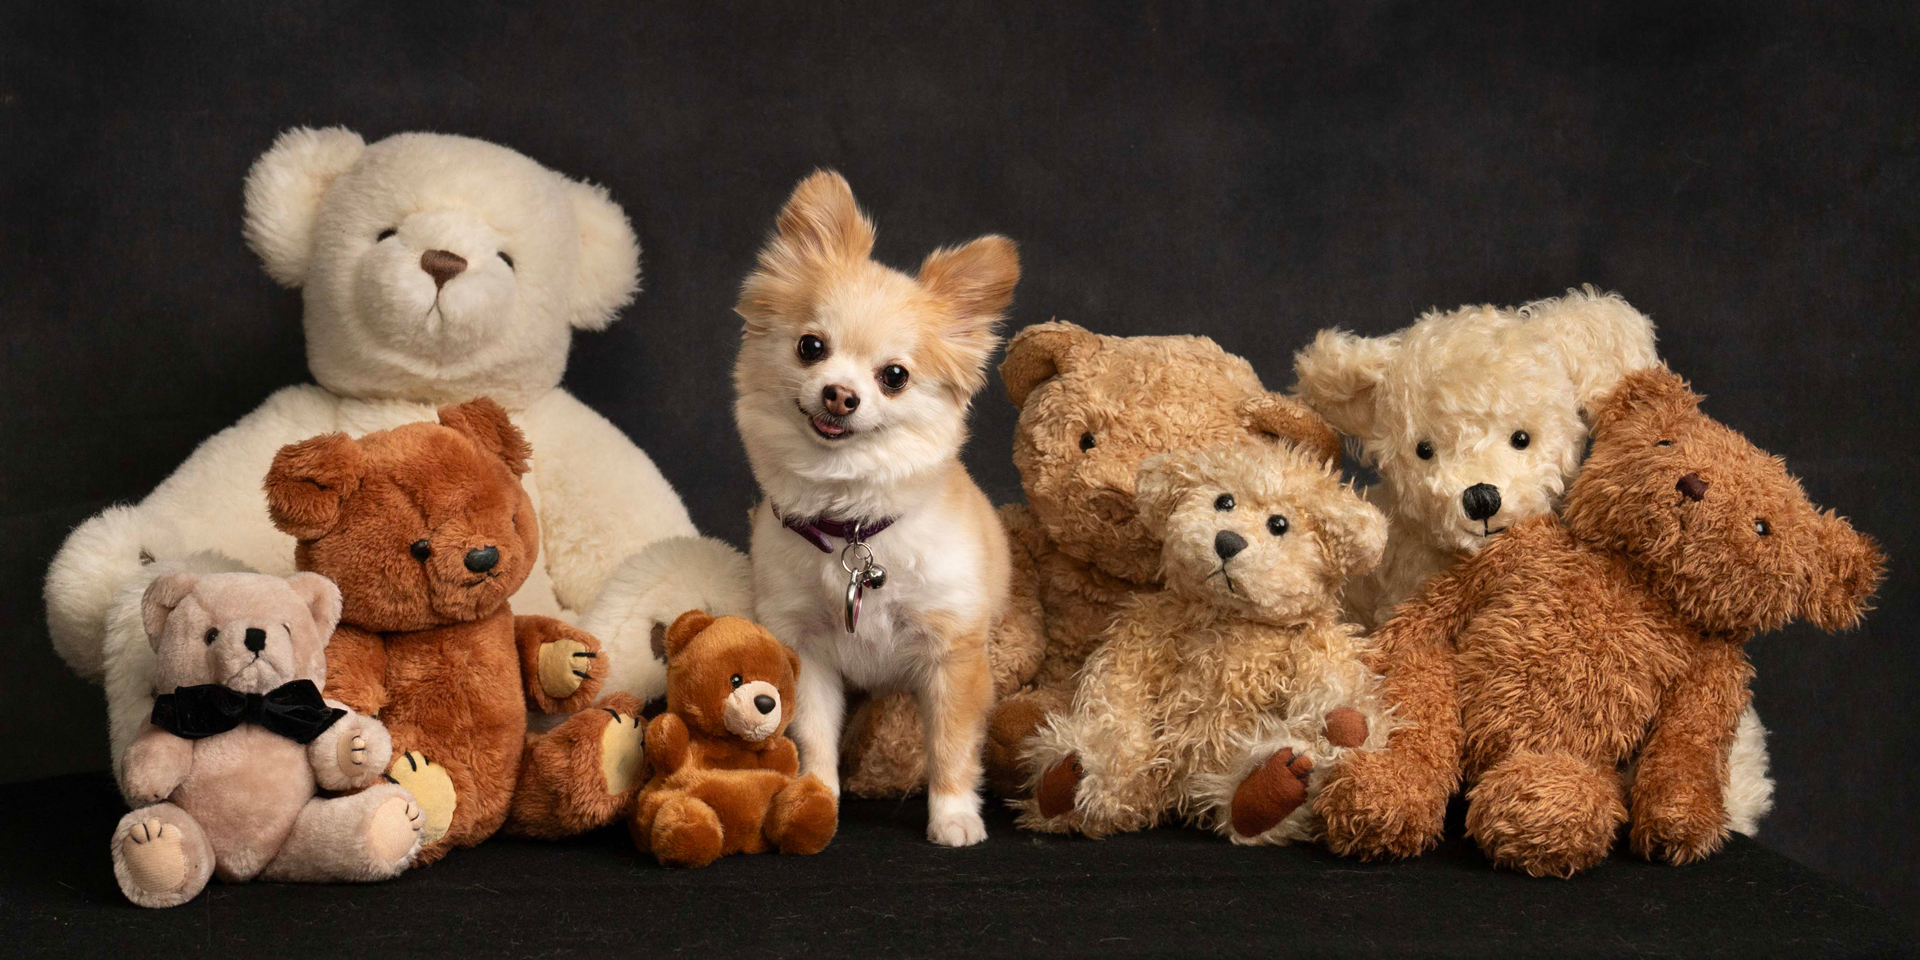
(1243, 663)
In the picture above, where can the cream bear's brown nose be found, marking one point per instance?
(442, 265)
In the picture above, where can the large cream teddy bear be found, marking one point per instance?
(1476, 419)
(434, 269)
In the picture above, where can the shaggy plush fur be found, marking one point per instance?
(349, 224)
(1243, 655)
(725, 775)
(1538, 670)
(1092, 409)
(428, 532)
(243, 803)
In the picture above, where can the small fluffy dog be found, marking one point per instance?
(853, 385)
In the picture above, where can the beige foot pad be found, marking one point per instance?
(1346, 727)
(562, 667)
(1276, 789)
(1057, 787)
(155, 857)
(432, 789)
(353, 755)
(397, 825)
(622, 752)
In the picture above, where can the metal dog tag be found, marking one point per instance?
(859, 578)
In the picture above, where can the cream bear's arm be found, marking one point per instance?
(357, 670)
(351, 753)
(600, 497)
(1020, 637)
(668, 744)
(561, 665)
(1677, 813)
(157, 762)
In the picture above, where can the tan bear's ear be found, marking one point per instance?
(1652, 392)
(158, 603)
(1281, 418)
(1041, 352)
(309, 481)
(1852, 566)
(322, 598)
(487, 424)
(1339, 375)
(609, 272)
(1598, 337)
(283, 193)
(1158, 487)
(683, 629)
(1354, 534)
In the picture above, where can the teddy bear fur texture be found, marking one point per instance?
(1590, 671)
(1092, 409)
(428, 532)
(1243, 656)
(1502, 398)
(724, 772)
(244, 803)
(388, 338)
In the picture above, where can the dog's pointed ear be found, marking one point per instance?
(487, 424)
(158, 603)
(683, 629)
(283, 194)
(1041, 352)
(823, 221)
(1340, 374)
(309, 481)
(1283, 419)
(1598, 337)
(609, 271)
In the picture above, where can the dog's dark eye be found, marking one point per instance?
(1277, 525)
(1223, 502)
(1520, 439)
(894, 377)
(735, 680)
(811, 348)
(212, 635)
(506, 259)
(421, 549)
(1664, 443)
(1761, 528)
(384, 234)
(1423, 450)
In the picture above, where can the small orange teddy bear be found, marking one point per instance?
(724, 772)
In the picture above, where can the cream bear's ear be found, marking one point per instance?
(158, 603)
(609, 257)
(283, 194)
(1162, 481)
(1041, 352)
(322, 598)
(1354, 534)
(1598, 337)
(1286, 420)
(1340, 374)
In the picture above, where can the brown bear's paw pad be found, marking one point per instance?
(1346, 727)
(395, 830)
(804, 818)
(622, 751)
(432, 790)
(1375, 806)
(687, 833)
(563, 667)
(155, 855)
(1270, 793)
(1057, 787)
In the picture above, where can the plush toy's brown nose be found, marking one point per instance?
(442, 265)
(1692, 487)
(840, 400)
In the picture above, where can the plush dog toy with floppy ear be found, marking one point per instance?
(227, 768)
(724, 772)
(1562, 653)
(1216, 700)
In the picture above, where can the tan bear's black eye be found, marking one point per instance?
(735, 680)
(1664, 443)
(212, 635)
(506, 259)
(893, 377)
(1086, 441)
(1761, 528)
(810, 348)
(1520, 439)
(420, 549)
(1223, 502)
(384, 234)
(1423, 449)
(1277, 525)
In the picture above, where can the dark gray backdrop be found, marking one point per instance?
(1746, 175)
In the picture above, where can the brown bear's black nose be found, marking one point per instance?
(256, 639)
(840, 400)
(442, 265)
(1226, 543)
(482, 559)
(1481, 501)
(1692, 487)
(763, 703)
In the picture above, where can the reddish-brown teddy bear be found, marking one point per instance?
(724, 772)
(427, 531)
(1587, 672)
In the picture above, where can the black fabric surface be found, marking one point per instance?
(881, 890)
(1746, 172)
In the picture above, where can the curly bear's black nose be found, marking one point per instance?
(256, 639)
(483, 559)
(763, 703)
(1692, 487)
(1481, 501)
(1226, 543)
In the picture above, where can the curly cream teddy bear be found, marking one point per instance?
(1242, 664)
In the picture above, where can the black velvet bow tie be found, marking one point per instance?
(294, 710)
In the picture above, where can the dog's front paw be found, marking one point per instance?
(955, 821)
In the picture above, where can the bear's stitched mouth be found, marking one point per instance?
(826, 426)
(1222, 572)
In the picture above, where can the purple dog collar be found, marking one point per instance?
(819, 530)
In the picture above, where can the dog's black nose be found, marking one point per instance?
(1226, 543)
(763, 703)
(840, 400)
(483, 559)
(1481, 501)
(256, 639)
(1692, 487)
